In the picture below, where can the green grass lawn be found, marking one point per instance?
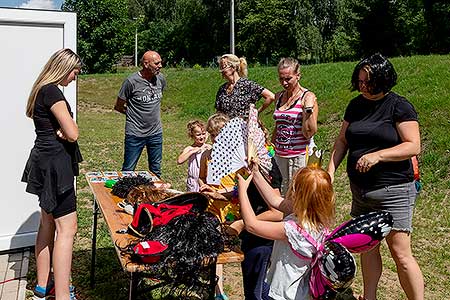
(424, 80)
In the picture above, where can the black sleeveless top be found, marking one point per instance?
(53, 162)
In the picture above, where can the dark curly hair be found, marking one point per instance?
(381, 74)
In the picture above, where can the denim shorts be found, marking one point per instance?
(399, 200)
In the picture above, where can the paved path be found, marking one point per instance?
(13, 275)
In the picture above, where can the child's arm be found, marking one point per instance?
(272, 197)
(187, 152)
(273, 215)
(266, 229)
(203, 167)
(212, 193)
(270, 215)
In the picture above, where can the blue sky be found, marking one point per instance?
(42, 4)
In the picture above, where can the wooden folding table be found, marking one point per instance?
(117, 219)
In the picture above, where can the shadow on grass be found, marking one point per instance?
(111, 282)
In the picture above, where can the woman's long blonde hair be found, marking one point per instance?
(238, 63)
(312, 196)
(58, 67)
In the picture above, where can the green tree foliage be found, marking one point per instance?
(104, 32)
(188, 32)
(345, 38)
(184, 30)
(218, 24)
(263, 26)
(437, 18)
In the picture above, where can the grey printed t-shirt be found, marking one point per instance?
(143, 98)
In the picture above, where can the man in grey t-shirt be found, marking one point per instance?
(140, 100)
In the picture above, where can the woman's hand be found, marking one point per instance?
(253, 166)
(244, 183)
(367, 161)
(60, 134)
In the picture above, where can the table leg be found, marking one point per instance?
(212, 281)
(134, 280)
(94, 242)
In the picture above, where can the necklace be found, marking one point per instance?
(290, 100)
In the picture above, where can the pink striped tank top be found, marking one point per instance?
(289, 138)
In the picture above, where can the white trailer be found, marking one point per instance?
(27, 38)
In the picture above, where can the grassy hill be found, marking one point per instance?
(424, 80)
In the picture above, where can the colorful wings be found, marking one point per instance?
(333, 266)
(364, 232)
(334, 269)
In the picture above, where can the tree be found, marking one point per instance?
(104, 32)
(391, 27)
(182, 30)
(263, 27)
(305, 31)
(437, 17)
(187, 32)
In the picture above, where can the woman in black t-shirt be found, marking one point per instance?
(235, 96)
(50, 171)
(380, 133)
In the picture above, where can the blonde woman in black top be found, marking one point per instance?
(50, 171)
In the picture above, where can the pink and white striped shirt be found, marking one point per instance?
(289, 138)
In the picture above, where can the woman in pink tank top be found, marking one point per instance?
(295, 116)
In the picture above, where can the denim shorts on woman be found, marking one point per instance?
(399, 200)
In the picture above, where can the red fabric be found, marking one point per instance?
(150, 251)
(164, 213)
(142, 208)
(415, 164)
(161, 214)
